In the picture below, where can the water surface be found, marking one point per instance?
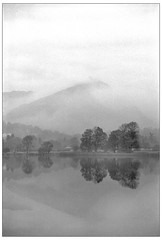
(81, 196)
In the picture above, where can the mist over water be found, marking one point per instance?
(81, 196)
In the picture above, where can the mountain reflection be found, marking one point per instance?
(93, 170)
(125, 171)
(45, 161)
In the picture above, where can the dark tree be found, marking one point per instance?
(27, 142)
(114, 140)
(93, 139)
(19, 148)
(129, 137)
(5, 150)
(46, 147)
(86, 140)
(99, 138)
(11, 142)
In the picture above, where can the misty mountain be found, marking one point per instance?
(14, 99)
(16, 94)
(79, 107)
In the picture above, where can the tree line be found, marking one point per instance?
(12, 143)
(25, 144)
(126, 137)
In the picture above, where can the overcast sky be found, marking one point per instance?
(50, 47)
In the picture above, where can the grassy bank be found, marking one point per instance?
(111, 154)
(155, 154)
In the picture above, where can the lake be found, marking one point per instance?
(81, 196)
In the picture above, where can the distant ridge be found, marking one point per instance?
(21, 130)
(14, 99)
(16, 93)
(89, 84)
(76, 108)
(82, 87)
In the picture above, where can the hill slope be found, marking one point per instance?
(77, 108)
(14, 99)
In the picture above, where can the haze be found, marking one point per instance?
(47, 48)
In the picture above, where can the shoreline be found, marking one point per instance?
(94, 154)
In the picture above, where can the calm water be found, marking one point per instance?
(53, 196)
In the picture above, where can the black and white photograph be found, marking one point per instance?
(80, 120)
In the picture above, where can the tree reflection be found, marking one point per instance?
(125, 172)
(45, 160)
(27, 166)
(93, 170)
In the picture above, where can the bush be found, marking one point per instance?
(6, 150)
(45, 148)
